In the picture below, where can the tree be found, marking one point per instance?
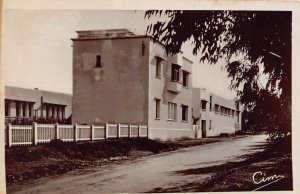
(256, 46)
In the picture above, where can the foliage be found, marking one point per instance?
(256, 46)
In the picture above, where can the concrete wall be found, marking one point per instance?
(117, 92)
(219, 123)
(163, 128)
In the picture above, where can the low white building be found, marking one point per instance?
(215, 115)
(34, 104)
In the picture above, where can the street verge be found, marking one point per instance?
(25, 164)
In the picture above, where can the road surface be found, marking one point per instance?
(147, 173)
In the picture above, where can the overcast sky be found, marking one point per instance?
(38, 53)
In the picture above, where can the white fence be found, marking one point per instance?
(22, 135)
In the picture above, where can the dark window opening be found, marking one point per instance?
(158, 67)
(157, 108)
(210, 102)
(30, 110)
(184, 113)
(143, 48)
(185, 78)
(7, 109)
(24, 109)
(98, 61)
(17, 109)
(175, 72)
(203, 105)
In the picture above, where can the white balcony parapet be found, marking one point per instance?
(177, 59)
(174, 86)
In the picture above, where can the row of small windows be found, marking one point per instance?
(172, 111)
(220, 109)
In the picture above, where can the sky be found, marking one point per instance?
(38, 53)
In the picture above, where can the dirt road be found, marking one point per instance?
(147, 173)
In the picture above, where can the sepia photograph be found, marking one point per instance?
(147, 100)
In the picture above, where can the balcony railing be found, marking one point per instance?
(174, 86)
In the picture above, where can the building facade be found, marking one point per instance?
(214, 114)
(29, 105)
(119, 77)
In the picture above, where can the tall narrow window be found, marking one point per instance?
(172, 110)
(185, 79)
(7, 109)
(210, 124)
(184, 113)
(157, 108)
(63, 112)
(216, 109)
(18, 109)
(175, 72)
(98, 61)
(203, 105)
(24, 109)
(30, 110)
(210, 103)
(143, 48)
(158, 67)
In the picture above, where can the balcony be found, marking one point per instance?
(174, 86)
(204, 95)
(176, 59)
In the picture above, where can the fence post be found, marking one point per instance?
(9, 134)
(119, 129)
(75, 133)
(139, 131)
(129, 131)
(56, 128)
(106, 130)
(35, 138)
(92, 132)
(148, 131)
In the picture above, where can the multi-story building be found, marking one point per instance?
(214, 114)
(120, 77)
(26, 105)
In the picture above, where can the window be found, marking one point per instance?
(24, 109)
(185, 78)
(210, 103)
(158, 67)
(203, 105)
(210, 124)
(143, 48)
(157, 108)
(216, 109)
(98, 61)
(175, 72)
(232, 114)
(18, 109)
(172, 110)
(63, 112)
(7, 109)
(47, 111)
(30, 110)
(222, 110)
(184, 113)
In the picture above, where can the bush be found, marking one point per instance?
(224, 135)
